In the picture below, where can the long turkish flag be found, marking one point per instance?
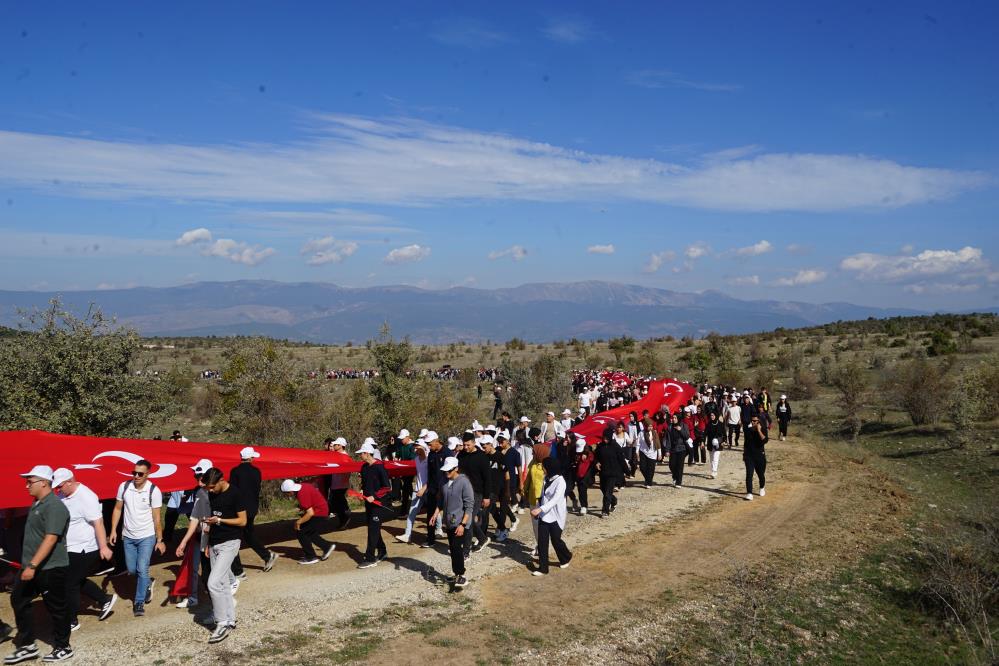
(102, 463)
(670, 392)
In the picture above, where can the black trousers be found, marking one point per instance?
(607, 485)
(734, 430)
(456, 544)
(551, 532)
(407, 494)
(430, 504)
(51, 585)
(676, 466)
(251, 540)
(782, 427)
(648, 467)
(376, 544)
(581, 487)
(339, 506)
(569, 487)
(756, 461)
(80, 566)
(169, 523)
(310, 534)
(477, 531)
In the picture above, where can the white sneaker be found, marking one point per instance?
(763, 492)
(749, 496)
(712, 476)
(582, 511)
(183, 603)
(515, 524)
(534, 554)
(402, 538)
(440, 534)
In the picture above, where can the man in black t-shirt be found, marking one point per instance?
(225, 530)
(246, 478)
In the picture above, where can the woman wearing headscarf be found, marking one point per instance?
(648, 451)
(610, 467)
(582, 467)
(534, 482)
(714, 435)
(550, 517)
(675, 440)
(567, 460)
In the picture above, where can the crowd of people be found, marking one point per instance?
(468, 490)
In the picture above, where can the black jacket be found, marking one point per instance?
(435, 477)
(246, 478)
(497, 472)
(375, 481)
(610, 457)
(753, 443)
(785, 415)
(475, 466)
(715, 430)
(675, 440)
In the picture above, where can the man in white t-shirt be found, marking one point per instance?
(551, 429)
(584, 400)
(86, 544)
(140, 501)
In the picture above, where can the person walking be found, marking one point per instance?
(474, 464)
(648, 451)
(755, 457)
(225, 530)
(435, 482)
(195, 537)
(498, 505)
(405, 451)
(314, 520)
(246, 478)
(534, 483)
(610, 467)
(550, 514)
(456, 506)
(675, 441)
(44, 562)
(419, 484)
(783, 410)
(339, 484)
(624, 439)
(581, 477)
(714, 435)
(733, 419)
(86, 545)
(139, 501)
(376, 487)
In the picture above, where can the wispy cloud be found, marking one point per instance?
(601, 249)
(697, 250)
(410, 162)
(801, 278)
(407, 254)
(466, 32)
(744, 281)
(755, 249)
(328, 250)
(568, 30)
(515, 252)
(657, 259)
(930, 271)
(664, 78)
(225, 248)
(799, 249)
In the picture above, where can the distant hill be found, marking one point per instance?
(540, 312)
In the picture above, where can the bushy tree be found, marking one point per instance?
(920, 388)
(620, 346)
(647, 361)
(851, 382)
(540, 385)
(79, 376)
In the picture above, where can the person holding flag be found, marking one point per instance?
(375, 487)
(313, 521)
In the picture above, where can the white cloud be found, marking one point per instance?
(664, 78)
(941, 288)
(328, 250)
(225, 248)
(755, 249)
(929, 272)
(697, 250)
(568, 30)
(199, 235)
(907, 248)
(802, 278)
(407, 254)
(601, 249)
(515, 252)
(657, 259)
(744, 281)
(404, 161)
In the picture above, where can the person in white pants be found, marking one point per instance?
(225, 532)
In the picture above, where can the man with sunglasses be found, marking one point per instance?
(140, 501)
(44, 562)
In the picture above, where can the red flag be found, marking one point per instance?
(670, 392)
(102, 463)
(182, 586)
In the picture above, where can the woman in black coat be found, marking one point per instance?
(610, 467)
(675, 440)
(783, 409)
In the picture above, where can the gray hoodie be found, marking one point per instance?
(456, 499)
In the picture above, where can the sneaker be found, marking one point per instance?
(149, 592)
(711, 476)
(235, 586)
(367, 564)
(309, 560)
(564, 566)
(605, 514)
(138, 610)
(382, 557)
(62, 654)
(500, 536)
(516, 522)
(460, 581)
(646, 486)
(220, 634)
(440, 534)
(6, 632)
(329, 551)
(241, 575)
(427, 544)
(106, 608)
(519, 511)
(184, 603)
(117, 572)
(74, 626)
(582, 512)
(763, 492)
(271, 559)
(23, 653)
(534, 554)
(402, 538)
(749, 496)
(537, 572)
(485, 542)
(105, 571)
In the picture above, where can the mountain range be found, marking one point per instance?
(539, 312)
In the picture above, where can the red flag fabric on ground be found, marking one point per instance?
(670, 392)
(182, 586)
(102, 463)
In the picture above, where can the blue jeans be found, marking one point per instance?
(138, 552)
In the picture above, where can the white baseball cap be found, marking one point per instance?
(339, 441)
(486, 439)
(449, 464)
(505, 434)
(783, 397)
(41, 471)
(549, 413)
(403, 434)
(430, 436)
(289, 486)
(476, 425)
(423, 434)
(566, 412)
(61, 476)
(491, 428)
(203, 466)
(367, 447)
(524, 419)
(453, 443)
(247, 453)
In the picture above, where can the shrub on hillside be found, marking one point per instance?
(921, 389)
(539, 385)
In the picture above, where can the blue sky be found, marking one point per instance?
(792, 151)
